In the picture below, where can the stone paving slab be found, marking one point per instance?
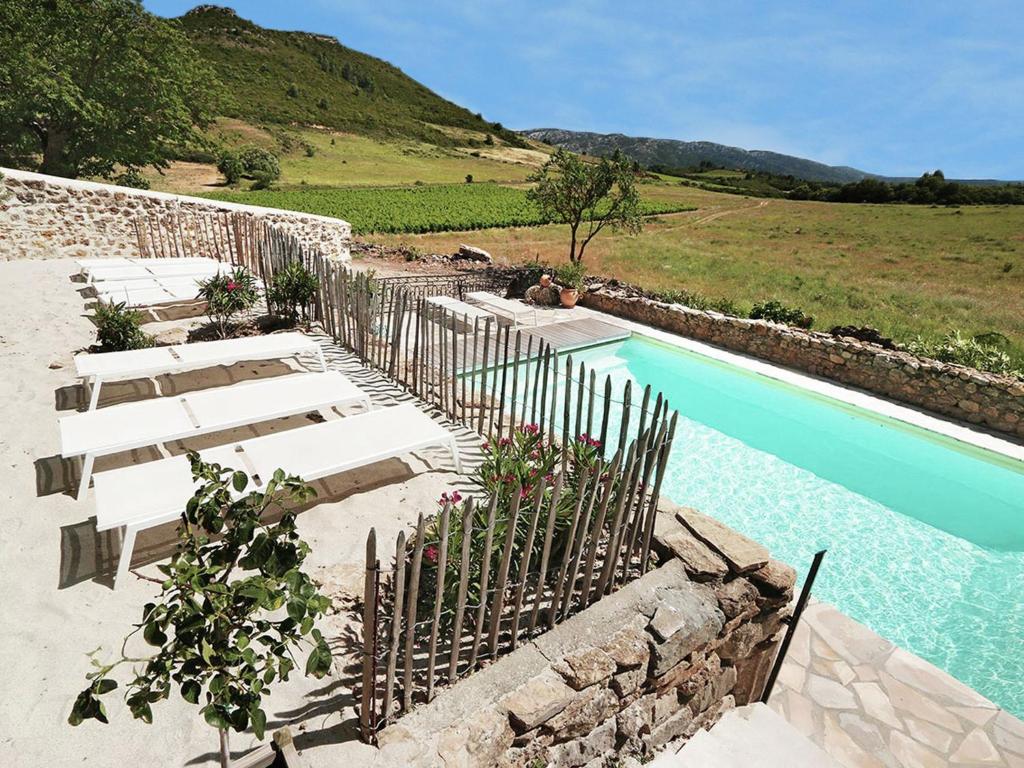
(870, 704)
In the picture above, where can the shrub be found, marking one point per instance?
(117, 328)
(226, 296)
(309, 150)
(261, 166)
(229, 164)
(293, 91)
(293, 288)
(983, 352)
(777, 312)
(571, 275)
(250, 162)
(132, 178)
(234, 606)
(469, 178)
(699, 301)
(524, 464)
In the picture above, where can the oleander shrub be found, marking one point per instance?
(226, 296)
(292, 292)
(118, 328)
(520, 465)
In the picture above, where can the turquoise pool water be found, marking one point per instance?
(925, 535)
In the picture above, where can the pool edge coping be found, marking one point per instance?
(844, 394)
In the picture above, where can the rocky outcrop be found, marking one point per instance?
(990, 400)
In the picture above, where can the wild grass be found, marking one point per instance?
(907, 270)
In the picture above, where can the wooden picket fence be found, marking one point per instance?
(516, 561)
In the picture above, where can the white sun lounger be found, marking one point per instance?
(152, 422)
(146, 495)
(86, 266)
(508, 309)
(96, 370)
(467, 314)
(144, 268)
(149, 297)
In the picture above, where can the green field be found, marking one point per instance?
(439, 208)
(907, 270)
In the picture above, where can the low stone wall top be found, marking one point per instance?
(652, 663)
(46, 217)
(990, 400)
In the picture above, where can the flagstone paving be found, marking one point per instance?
(870, 704)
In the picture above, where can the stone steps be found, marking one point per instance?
(751, 735)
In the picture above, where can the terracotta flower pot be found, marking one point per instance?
(545, 281)
(569, 297)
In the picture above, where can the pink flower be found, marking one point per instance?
(505, 442)
(456, 497)
(485, 445)
(550, 478)
(524, 491)
(431, 553)
(232, 285)
(531, 429)
(534, 455)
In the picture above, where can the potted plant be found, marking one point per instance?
(570, 277)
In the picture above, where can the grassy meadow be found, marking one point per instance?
(907, 270)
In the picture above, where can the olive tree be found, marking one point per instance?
(572, 191)
(234, 605)
(94, 87)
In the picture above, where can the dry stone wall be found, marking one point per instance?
(46, 217)
(655, 662)
(987, 399)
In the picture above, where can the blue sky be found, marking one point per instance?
(893, 87)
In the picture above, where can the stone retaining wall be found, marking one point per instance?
(990, 400)
(653, 663)
(46, 217)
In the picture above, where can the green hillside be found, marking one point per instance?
(300, 77)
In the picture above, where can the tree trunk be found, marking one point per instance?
(225, 750)
(572, 243)
(54, 161)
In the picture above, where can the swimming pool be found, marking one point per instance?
(925, 535)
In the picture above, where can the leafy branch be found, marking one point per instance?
(217, 628)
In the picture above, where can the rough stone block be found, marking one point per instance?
(672, 728)
(572, 754)
(476, 743)
(585, 667)
(590, 707)
(774, 578)
(537, 701)
(636, 719)
(625, 683)
(685, 622)
(737, 597)
(741, 641)
(629, 648)
(700, 562)
(742, 554)
(679, 674)
(666, 705)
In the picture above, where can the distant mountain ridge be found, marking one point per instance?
(682, 154)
